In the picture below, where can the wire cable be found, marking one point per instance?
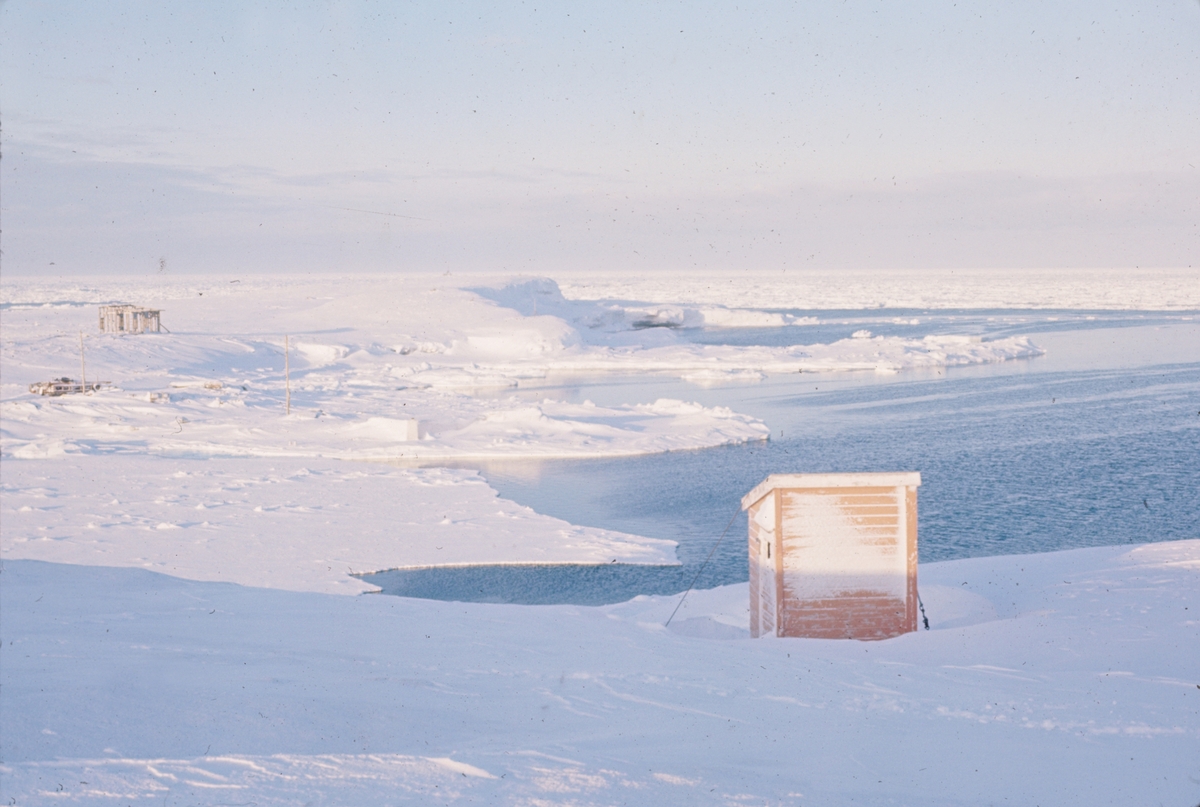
(702, 565)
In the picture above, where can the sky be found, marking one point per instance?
(538, 138)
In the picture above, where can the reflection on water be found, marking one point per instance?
(533, 584)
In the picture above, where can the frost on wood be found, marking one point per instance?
(833, 556)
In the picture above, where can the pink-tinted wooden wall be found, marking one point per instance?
(833, 556)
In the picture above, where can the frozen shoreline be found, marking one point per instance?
(194, 411)
(298, 526)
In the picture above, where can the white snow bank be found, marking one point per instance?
(372, 351)
(1078, 687)
(215, 386)
(319, 354)
(597, 320)
(891, 353)
(627, 339)
(301, 527)
(418, 425)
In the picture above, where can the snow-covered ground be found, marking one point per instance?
(366, 358)
(171, 545)
(1065, 678)
(303, 526)
(369, 355)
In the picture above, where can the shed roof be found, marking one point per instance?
(863, 480)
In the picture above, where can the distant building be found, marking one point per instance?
(833, 556)
(129, 319)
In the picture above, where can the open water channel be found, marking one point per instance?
(1095, 443)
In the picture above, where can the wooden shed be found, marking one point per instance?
(129, 319)
(833, 556)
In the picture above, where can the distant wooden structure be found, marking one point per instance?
(122, 319)
(65, 386)
(833, 556)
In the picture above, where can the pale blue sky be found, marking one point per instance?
(535, 137)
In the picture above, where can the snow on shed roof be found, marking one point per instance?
(842, 480)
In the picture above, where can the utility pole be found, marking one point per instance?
(82, 366)
(287, 374)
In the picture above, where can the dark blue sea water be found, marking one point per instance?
(1097, 443)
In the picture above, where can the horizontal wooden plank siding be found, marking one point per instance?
(830, 549)
(847, 617)
(833, 560)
